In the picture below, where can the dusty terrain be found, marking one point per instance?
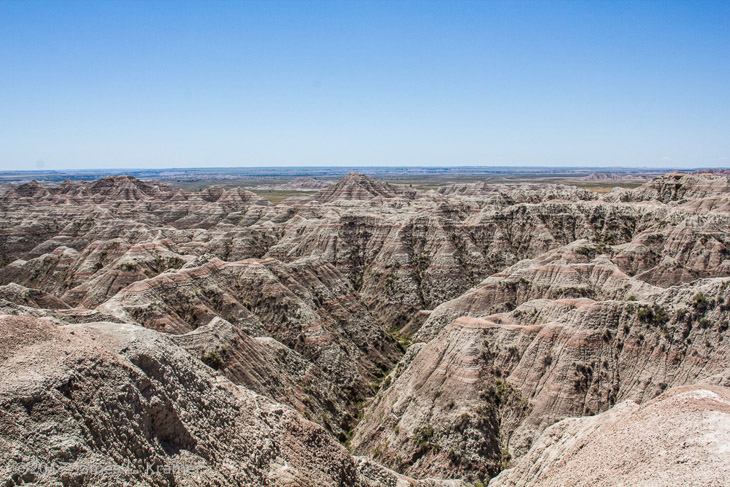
(370, 334)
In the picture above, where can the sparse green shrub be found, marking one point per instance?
(584, 376)
(700, 303)
(423, 438)
(402, 341)
(215, 359)
(453, 456)
(585, 251)
(390, 283)
(645, 314)
(505, 459)
(175, 262)
(655, 315)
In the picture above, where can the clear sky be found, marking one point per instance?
(134, 84)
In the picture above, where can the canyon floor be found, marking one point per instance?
(366, 333)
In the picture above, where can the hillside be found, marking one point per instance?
(370, 334)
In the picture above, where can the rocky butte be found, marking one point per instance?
(367, 335)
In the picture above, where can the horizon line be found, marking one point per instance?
(475, 166)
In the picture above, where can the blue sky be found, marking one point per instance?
(112, 84)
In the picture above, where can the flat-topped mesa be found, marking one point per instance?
(357, 186)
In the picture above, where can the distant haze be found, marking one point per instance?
(274, 83)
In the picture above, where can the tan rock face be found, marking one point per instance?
(503, 376)
(679, 438)
(119, 396)
(106, 403)
(305, 184)
(220, 317)
(358, 187)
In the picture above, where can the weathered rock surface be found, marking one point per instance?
(305, 184)
(679, 438)
(112, 404)
(545, 341)
(439, 334)
(358, 187)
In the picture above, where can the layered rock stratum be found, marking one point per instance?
(305, 184)
(370, 334)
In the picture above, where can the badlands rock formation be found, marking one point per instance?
(304, 184)
(116, 404)
(370, 334)
(679, 438)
